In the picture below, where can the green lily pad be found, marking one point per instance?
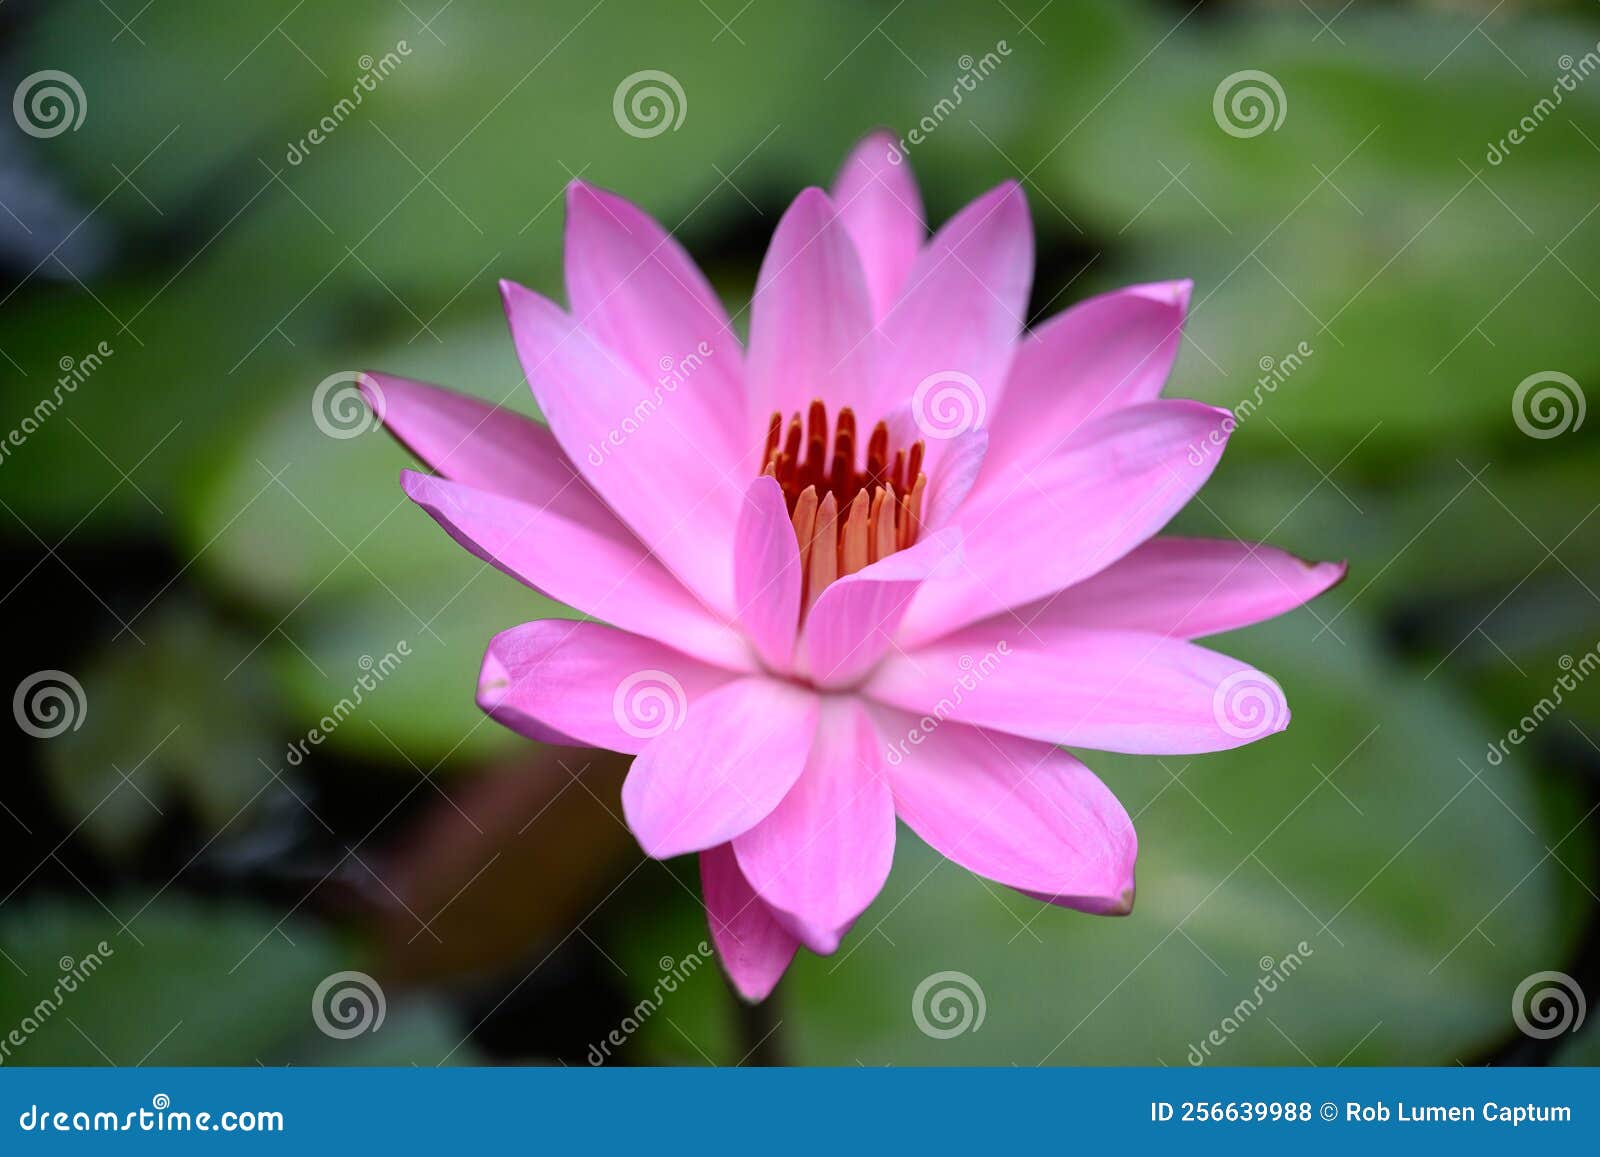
(163, 724)
(181, 983)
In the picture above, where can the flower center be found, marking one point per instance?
(844, 518)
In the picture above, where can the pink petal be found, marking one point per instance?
(1023, 814)
(469, 440)
(754, 948)
(963, 304)
(1110, 487)
(738, 753)
(880, 206)
(640, 451)
(824, 853)
(1102, 354)
(601, 570)
(632, 286)
(583, 684)
(954, 476)
(1109, 690)
(1189, 587)
(855, 619)
(766, 580)
(811, 332)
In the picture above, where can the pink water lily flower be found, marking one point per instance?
(883, 560)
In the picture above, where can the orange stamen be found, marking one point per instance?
(846, 516)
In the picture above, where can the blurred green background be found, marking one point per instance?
(215, 572)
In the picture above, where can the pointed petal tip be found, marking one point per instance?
(1010, 196)
(881, 143)
(813, 198)
(1175, 293)
(820, 939)
(493, 681)
(1007, 196)
(372, 391)
(1322, 576)
(585, 199)
(515, 291)
(752, 987)
(416, 484)
(1124, 904)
